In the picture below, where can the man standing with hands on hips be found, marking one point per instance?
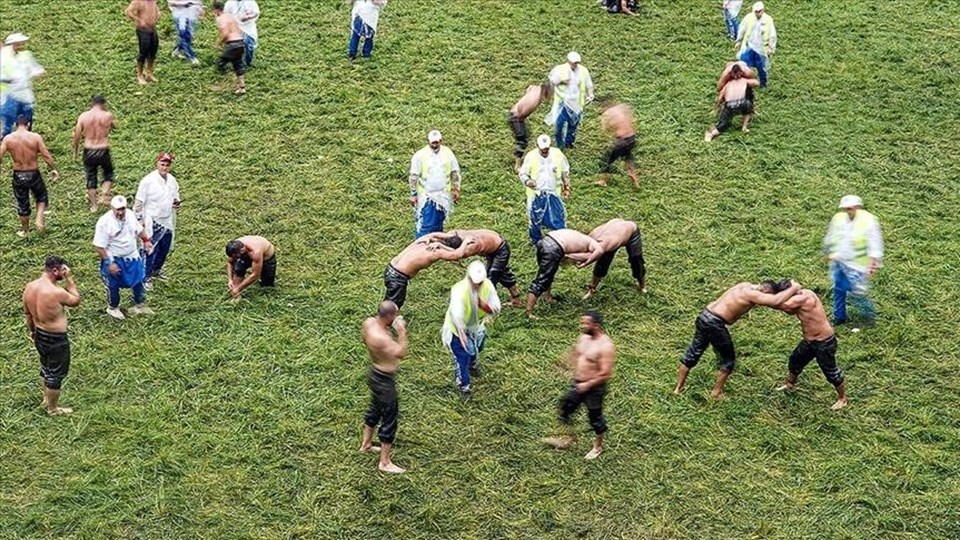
(463, 330)
(156, 204)
(854, 246)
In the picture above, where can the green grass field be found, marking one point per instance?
(220, 420)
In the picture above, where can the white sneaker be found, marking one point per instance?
(140, 309)
(195, 61)
(147, 285)
(115, 313)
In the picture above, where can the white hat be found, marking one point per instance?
(849, 201)
(434, 136)
(758, 7)
(573, 57)
(543, 142)
(118, 202)
(16, 37)
(477, 272)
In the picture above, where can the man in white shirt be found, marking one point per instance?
(17, 69)
(731, 10)
(248, 13)
(434, 185)
(757, 41)
(463, 330)
(573, 89)
(185, 15)
(115, 240)
(542, 172)
(854, 246)
(365, 16)
(156, 203)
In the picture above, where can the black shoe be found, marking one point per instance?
(474, 370)
(465, 395)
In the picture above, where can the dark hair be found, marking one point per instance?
(736, 71)
(54, 262)
(453, 241)
(98, 100)
(594, 316)
(386, 309)
(234, 247)
(22, 120)
(217, 4)
(776, 286)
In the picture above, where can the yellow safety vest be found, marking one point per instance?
(461, 291)
(446, 156)
(582, 83)
(862, 221)
(556, 157)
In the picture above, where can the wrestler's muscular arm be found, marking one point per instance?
(31, 326)
(773, 300)
(69, 296)
(42, 148)
(256, 257)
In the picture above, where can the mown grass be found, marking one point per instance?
(217, 420)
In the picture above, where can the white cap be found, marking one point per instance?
(758, 7)
(573, 57)
(118, 202)
(16, 37)
(543, 142)
(434, 136)
(477, 272)
(849, 201)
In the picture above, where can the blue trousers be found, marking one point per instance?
(569, 120)
(185, 29)
(846, 281)
(11, 110)
(546, 210)
(732, 24)
(465, 359)
(360, 30)
(249, 44)
(428, 219)
(162, 239)
(130, 277)
(758, 61)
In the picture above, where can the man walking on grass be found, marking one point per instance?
(386, 353)
(819, 341)
(231, 37)
(592, 360)
(115, 239)
(94, 126)
(545, 173)
(144, 14)
(185, 15)
(365, 16)
(723, 312)
(854, 246)
(24, 147)
(473, 301)
(617, 119)
(18, 69)
(757, 41)
(434, 185)
(43, 303)
(573, 90)
(156, 203)
(248, 13)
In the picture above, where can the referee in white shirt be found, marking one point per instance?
(157, 200)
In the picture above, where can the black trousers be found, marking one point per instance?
(54, 350)
(711, 330)
(634, 254)
(592, 398)
(622, 149)
(549, 256)
(147, 45)
(395, 282)
(519, 128)
(25, 183)
(268, 274)
(94, 158)
(498, 266)
(826, 354)
(384, 404)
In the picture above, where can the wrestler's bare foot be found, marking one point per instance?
(841, 403)
(560, 443)
(94, 208)
(390, 468)
(707, 137)
(594, 453)
(369, 448)
(746, 129)
(633, 177)
(717, 395)
(589, 294)
(141, 79)
(532, 317)
(547, 298)
(151, 77)
(786, 386)
(601, 182)
(59, 410)
(22, 233)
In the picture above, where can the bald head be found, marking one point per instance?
(387, 310)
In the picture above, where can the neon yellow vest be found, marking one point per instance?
(446, 156)
(582, 84)
(747, 25)
(862, 221)
(461, 290)
(556, 156)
